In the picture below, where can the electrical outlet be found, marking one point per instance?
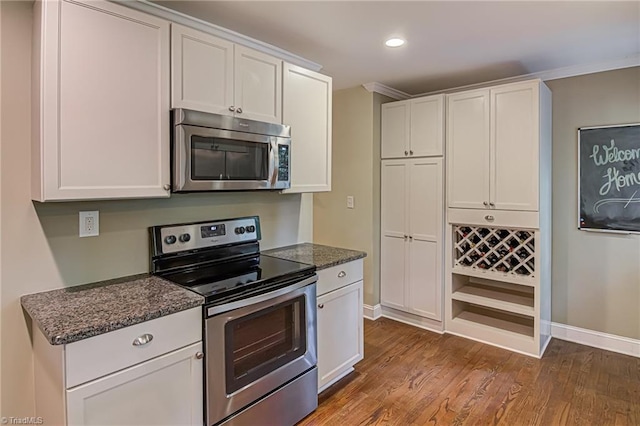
(350, 202)
(89, 224)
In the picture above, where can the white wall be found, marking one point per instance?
(39, 246)
(595, 276)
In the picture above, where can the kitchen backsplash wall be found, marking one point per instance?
(40, 248)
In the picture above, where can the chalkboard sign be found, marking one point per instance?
(609, 178)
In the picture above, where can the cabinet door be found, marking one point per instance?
(515, 146)
(163, 391)
(201, 71)
(427, 126)
(393, 233)
(104, 103)
(258, 85)
(395, 129)
(426, 205)
(340, 332)
(468, 149)
(306, 107)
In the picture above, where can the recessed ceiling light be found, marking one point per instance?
(394, 42)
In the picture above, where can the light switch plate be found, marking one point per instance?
(89, 224)
(350, 202)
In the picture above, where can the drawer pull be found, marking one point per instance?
(320, 306)
(342, 274)
(489, 217)
(143, 340)
(199, 355)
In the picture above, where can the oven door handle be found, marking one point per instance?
(214, 310)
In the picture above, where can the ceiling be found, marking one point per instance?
(449, 43)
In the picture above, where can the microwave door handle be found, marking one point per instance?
(273, 149)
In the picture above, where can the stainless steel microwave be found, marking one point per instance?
(212, 152)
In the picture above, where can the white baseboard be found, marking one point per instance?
(414, 320)
(372, 312)
(596, 339)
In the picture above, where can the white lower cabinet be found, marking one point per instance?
(150, 373)
(412, 208)
(340, 323)
(163, 391)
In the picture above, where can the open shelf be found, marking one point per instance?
(505, 323)
(507, 297)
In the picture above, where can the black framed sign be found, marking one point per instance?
(609, 178)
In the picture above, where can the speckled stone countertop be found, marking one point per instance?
(316, 254)
(70, 314)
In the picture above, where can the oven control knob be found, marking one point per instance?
(240, 230)
(170, 239)
(251, 228)
(184, 238)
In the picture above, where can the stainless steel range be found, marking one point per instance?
(259, 320)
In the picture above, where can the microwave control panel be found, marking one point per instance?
(283, 162)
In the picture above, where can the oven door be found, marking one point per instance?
(256, 345)
(207, 159)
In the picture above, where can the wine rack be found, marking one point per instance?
(501, 250)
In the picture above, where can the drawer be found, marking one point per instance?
(494, 218)
(98, 356)
(339, 276)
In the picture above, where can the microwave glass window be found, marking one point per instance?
(224, 159)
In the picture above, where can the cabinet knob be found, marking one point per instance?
(142, 340)
(405, 237)
(406, 153)
(239, 110)
(489, 217)
(342, 274)
(167, 187)
(410, 238)
(232, 108)
(410, 152)
(321, 305)
(492, 204)
(485, 203)
(199, 355)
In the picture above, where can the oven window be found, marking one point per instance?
(259, 343)
(228, 159)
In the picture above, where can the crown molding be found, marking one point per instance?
(554, 74)
(386, 90)
(207, 27)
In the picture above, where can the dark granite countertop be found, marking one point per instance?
(316, 254)
(70, 314)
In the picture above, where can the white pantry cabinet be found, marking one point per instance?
(413, 128)
(101, 102)
(109, 380)
(493, 144)
(340, 323)
(214, 75)
(306, 107)
(498, 281)
(412, 236)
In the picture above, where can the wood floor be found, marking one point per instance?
(414, 377)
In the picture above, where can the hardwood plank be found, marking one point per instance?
(411, 376)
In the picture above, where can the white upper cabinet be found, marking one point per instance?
(101, 102)
(515, 135)
(307, 109)
(468, 149)
(202, 71)
(493, 143)
(413, 128)
(214, 75)
(258, 85)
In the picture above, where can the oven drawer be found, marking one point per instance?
(339, 276)
(98, 356)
